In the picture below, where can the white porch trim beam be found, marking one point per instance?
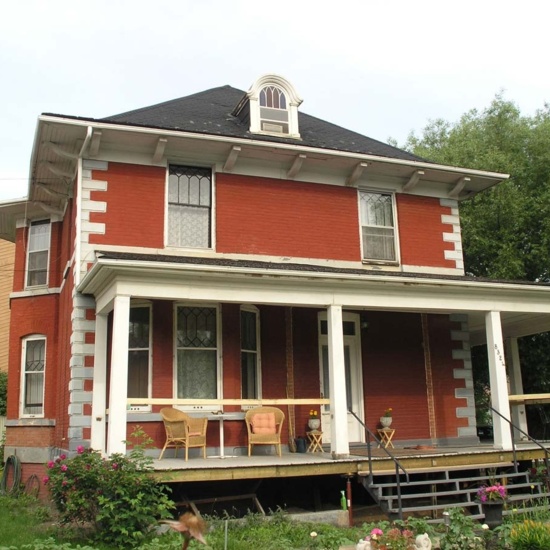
(519, 416)
(296, 166)
(497, 381)
(159, 150)
(339, 444)
(116, 435)
(99, 395)
(231, 158)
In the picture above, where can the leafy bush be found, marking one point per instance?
(461, 533)
(114, 496)
(530, 535)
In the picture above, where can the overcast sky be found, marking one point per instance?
(382, 68)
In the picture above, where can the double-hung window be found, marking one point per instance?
(139, 354)
(196, 352)
(250, 354)
(189, 207)
(38, 253)
(378, 226)
(33, 357)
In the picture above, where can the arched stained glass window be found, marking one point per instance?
(272, 97)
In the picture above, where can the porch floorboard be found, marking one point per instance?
(314, 464)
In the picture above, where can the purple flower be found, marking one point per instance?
(63, 457)
(115, 466)
(80, 449)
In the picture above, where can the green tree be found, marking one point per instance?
(506, 229)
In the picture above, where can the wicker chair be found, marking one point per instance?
(183, 430)
(264, 426)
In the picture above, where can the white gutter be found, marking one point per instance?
(78, 220)
(274, 145)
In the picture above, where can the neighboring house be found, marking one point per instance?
(226, 249)
(7, 255)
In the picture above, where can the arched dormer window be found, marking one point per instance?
(273, 107)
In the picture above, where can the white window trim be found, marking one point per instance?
(219, 356)
(146, 408)
(212, 239)
(29, 226)
(22, 388)
(396, 239)
(256, 311)
(292, 98)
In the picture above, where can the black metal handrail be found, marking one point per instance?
(533, 440)
(398, 465)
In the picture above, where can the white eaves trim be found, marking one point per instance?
(274, 145)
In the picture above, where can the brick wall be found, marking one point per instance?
(287, 218)
(135, 205)
(421, 231)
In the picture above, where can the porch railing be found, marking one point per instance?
(533, 440)
(370, 437)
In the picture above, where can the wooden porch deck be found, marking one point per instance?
(174, 470)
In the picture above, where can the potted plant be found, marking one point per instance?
(386, 418)
(492, 498)
(314, 421)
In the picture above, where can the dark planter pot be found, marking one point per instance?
(493, 513)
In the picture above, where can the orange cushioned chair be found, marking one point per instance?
(183, 430)
(264, 427)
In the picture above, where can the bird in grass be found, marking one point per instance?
(190, 527)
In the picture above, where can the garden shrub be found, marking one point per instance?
(116, 497)
(530, 535)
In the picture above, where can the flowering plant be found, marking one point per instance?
(394, 539)
(313, 413)
(492, 493)
(388, 412)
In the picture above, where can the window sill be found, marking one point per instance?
(21, 422)
(380, 262)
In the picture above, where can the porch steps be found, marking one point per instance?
(435, 489)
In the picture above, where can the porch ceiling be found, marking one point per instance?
(524, 308)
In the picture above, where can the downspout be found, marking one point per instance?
(78, 220)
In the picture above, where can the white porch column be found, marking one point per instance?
(497, 380)
(519, 418)
(99, 394)
(337, 379)
(119, 377)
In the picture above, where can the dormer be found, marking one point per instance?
(271, 107)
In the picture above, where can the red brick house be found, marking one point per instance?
(226, 249)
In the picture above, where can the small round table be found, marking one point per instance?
(315, 440)
(386, 435)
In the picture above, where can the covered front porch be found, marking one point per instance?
(331, 339)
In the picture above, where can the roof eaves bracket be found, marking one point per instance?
(356, 174)
(296, 166)
(231, 158)
(94, 144)
(413, 180)
(459, 186)
(159, 150)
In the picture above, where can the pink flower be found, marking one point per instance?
(51, 464)
(63, 457)
(80, 449)
(64, 483)
(63, 467)
(115, 466)
(45, 480)
(375, 533)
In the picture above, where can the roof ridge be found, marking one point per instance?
(170, 101)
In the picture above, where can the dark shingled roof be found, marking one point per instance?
(309, 268)
(209, 112)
